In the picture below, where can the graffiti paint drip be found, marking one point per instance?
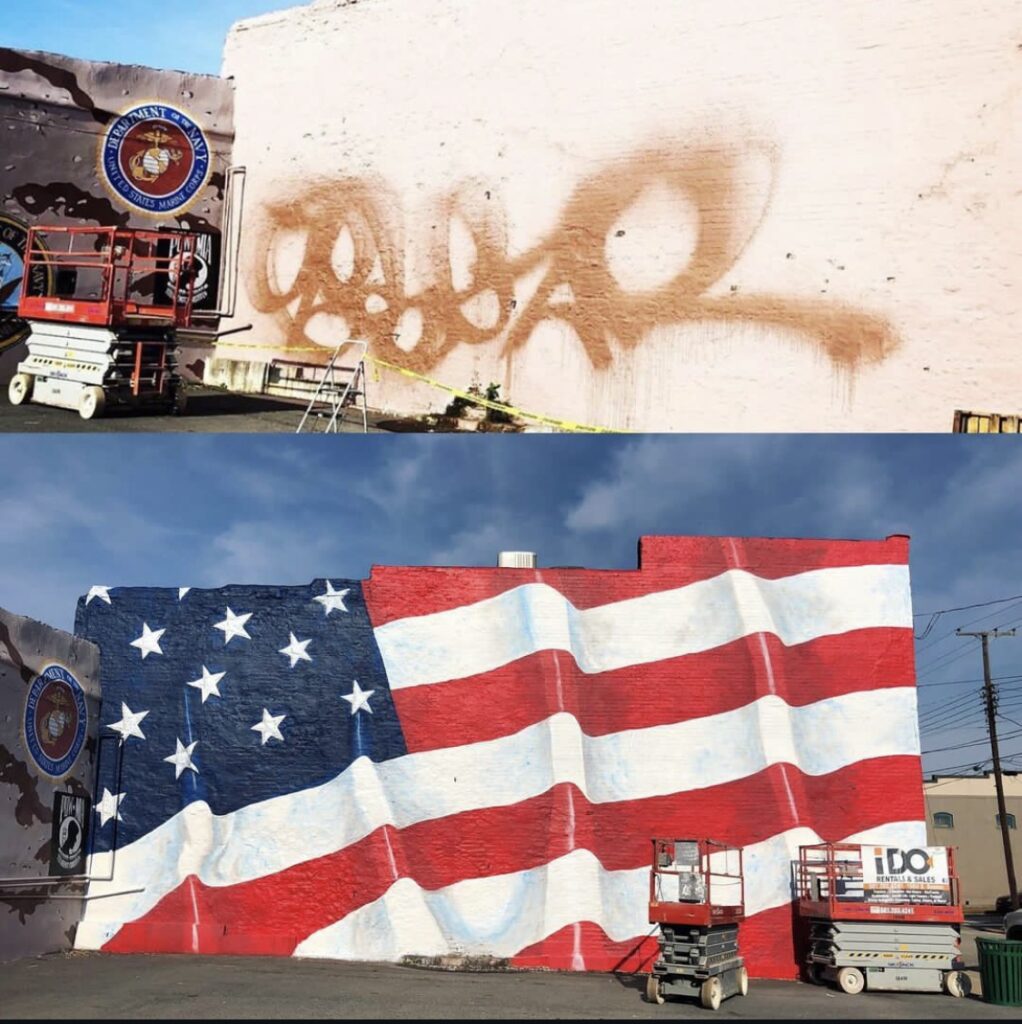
(331, 257)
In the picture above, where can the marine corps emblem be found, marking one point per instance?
(155, 158)
(56, 720)
(151, 164)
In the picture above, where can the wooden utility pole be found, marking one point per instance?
(991, 704)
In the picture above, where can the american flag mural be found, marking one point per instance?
(473, 761)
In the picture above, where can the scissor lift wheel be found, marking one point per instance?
(653, 991)
(957, 984)
(851, 980)
(814, 972)
(710, 993)
(91, 403)
(20, 388)
(743, 981)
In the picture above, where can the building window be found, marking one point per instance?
(943, 819)
(1010, 818)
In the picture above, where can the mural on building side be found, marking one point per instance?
(471, 762)
(125, 146)
(49, 724)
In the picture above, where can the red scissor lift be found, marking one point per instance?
(104, 328)
(861, 939)
(697, 897)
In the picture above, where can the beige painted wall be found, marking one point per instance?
(717, 214)
(973, 802)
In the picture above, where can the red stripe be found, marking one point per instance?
(529, 690)
(394, 592)
(766, 942)
(274, 913)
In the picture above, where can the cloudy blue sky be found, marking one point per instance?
(208, 511)
(186, 36)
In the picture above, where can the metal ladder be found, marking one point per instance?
(335, 392)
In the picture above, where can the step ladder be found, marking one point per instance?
(341, 386)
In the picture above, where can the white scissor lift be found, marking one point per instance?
(103, 329)
(859, 940)
(697, 897)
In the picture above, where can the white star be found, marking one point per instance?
(149, 642)
(208, 683)
(128, 725)
(296, 650)
(108, 807)
(234, 625)
(103, 593)
(332, 599)
(269, 727)
(182, 758)
(358, 698)
(181, 591)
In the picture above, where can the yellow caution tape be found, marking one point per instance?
(487, 403)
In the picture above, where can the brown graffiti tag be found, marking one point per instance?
(576, 284)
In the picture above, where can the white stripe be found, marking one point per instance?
(483, 636)
(273, 835)
(501, 915)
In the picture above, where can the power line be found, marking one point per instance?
(951, 705)
(957, 682)
(951, 632)
(943, 660)
(971, 720)
(959, 717)
(962, 746)
(975, 765)
(966, 607)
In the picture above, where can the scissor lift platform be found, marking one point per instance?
(859, 941)
(697, 897)
(100, 336)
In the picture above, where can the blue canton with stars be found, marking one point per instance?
(332, 647)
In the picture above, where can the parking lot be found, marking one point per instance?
(96, 985)
(210, 411)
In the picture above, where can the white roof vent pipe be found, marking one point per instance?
(516, 560)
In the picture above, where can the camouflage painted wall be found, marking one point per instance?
(65, 123)
(49, 719)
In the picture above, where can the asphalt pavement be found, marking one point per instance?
(96, 985)
(210, 411)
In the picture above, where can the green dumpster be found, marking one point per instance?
(1000, 968)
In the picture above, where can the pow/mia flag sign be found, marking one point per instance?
(70, 834)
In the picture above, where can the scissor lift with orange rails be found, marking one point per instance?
(102, 335)
(860, 939)
(697, 897)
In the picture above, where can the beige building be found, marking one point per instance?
(738, 215)
(962, 812)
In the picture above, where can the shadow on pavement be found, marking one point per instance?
(229, 404)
